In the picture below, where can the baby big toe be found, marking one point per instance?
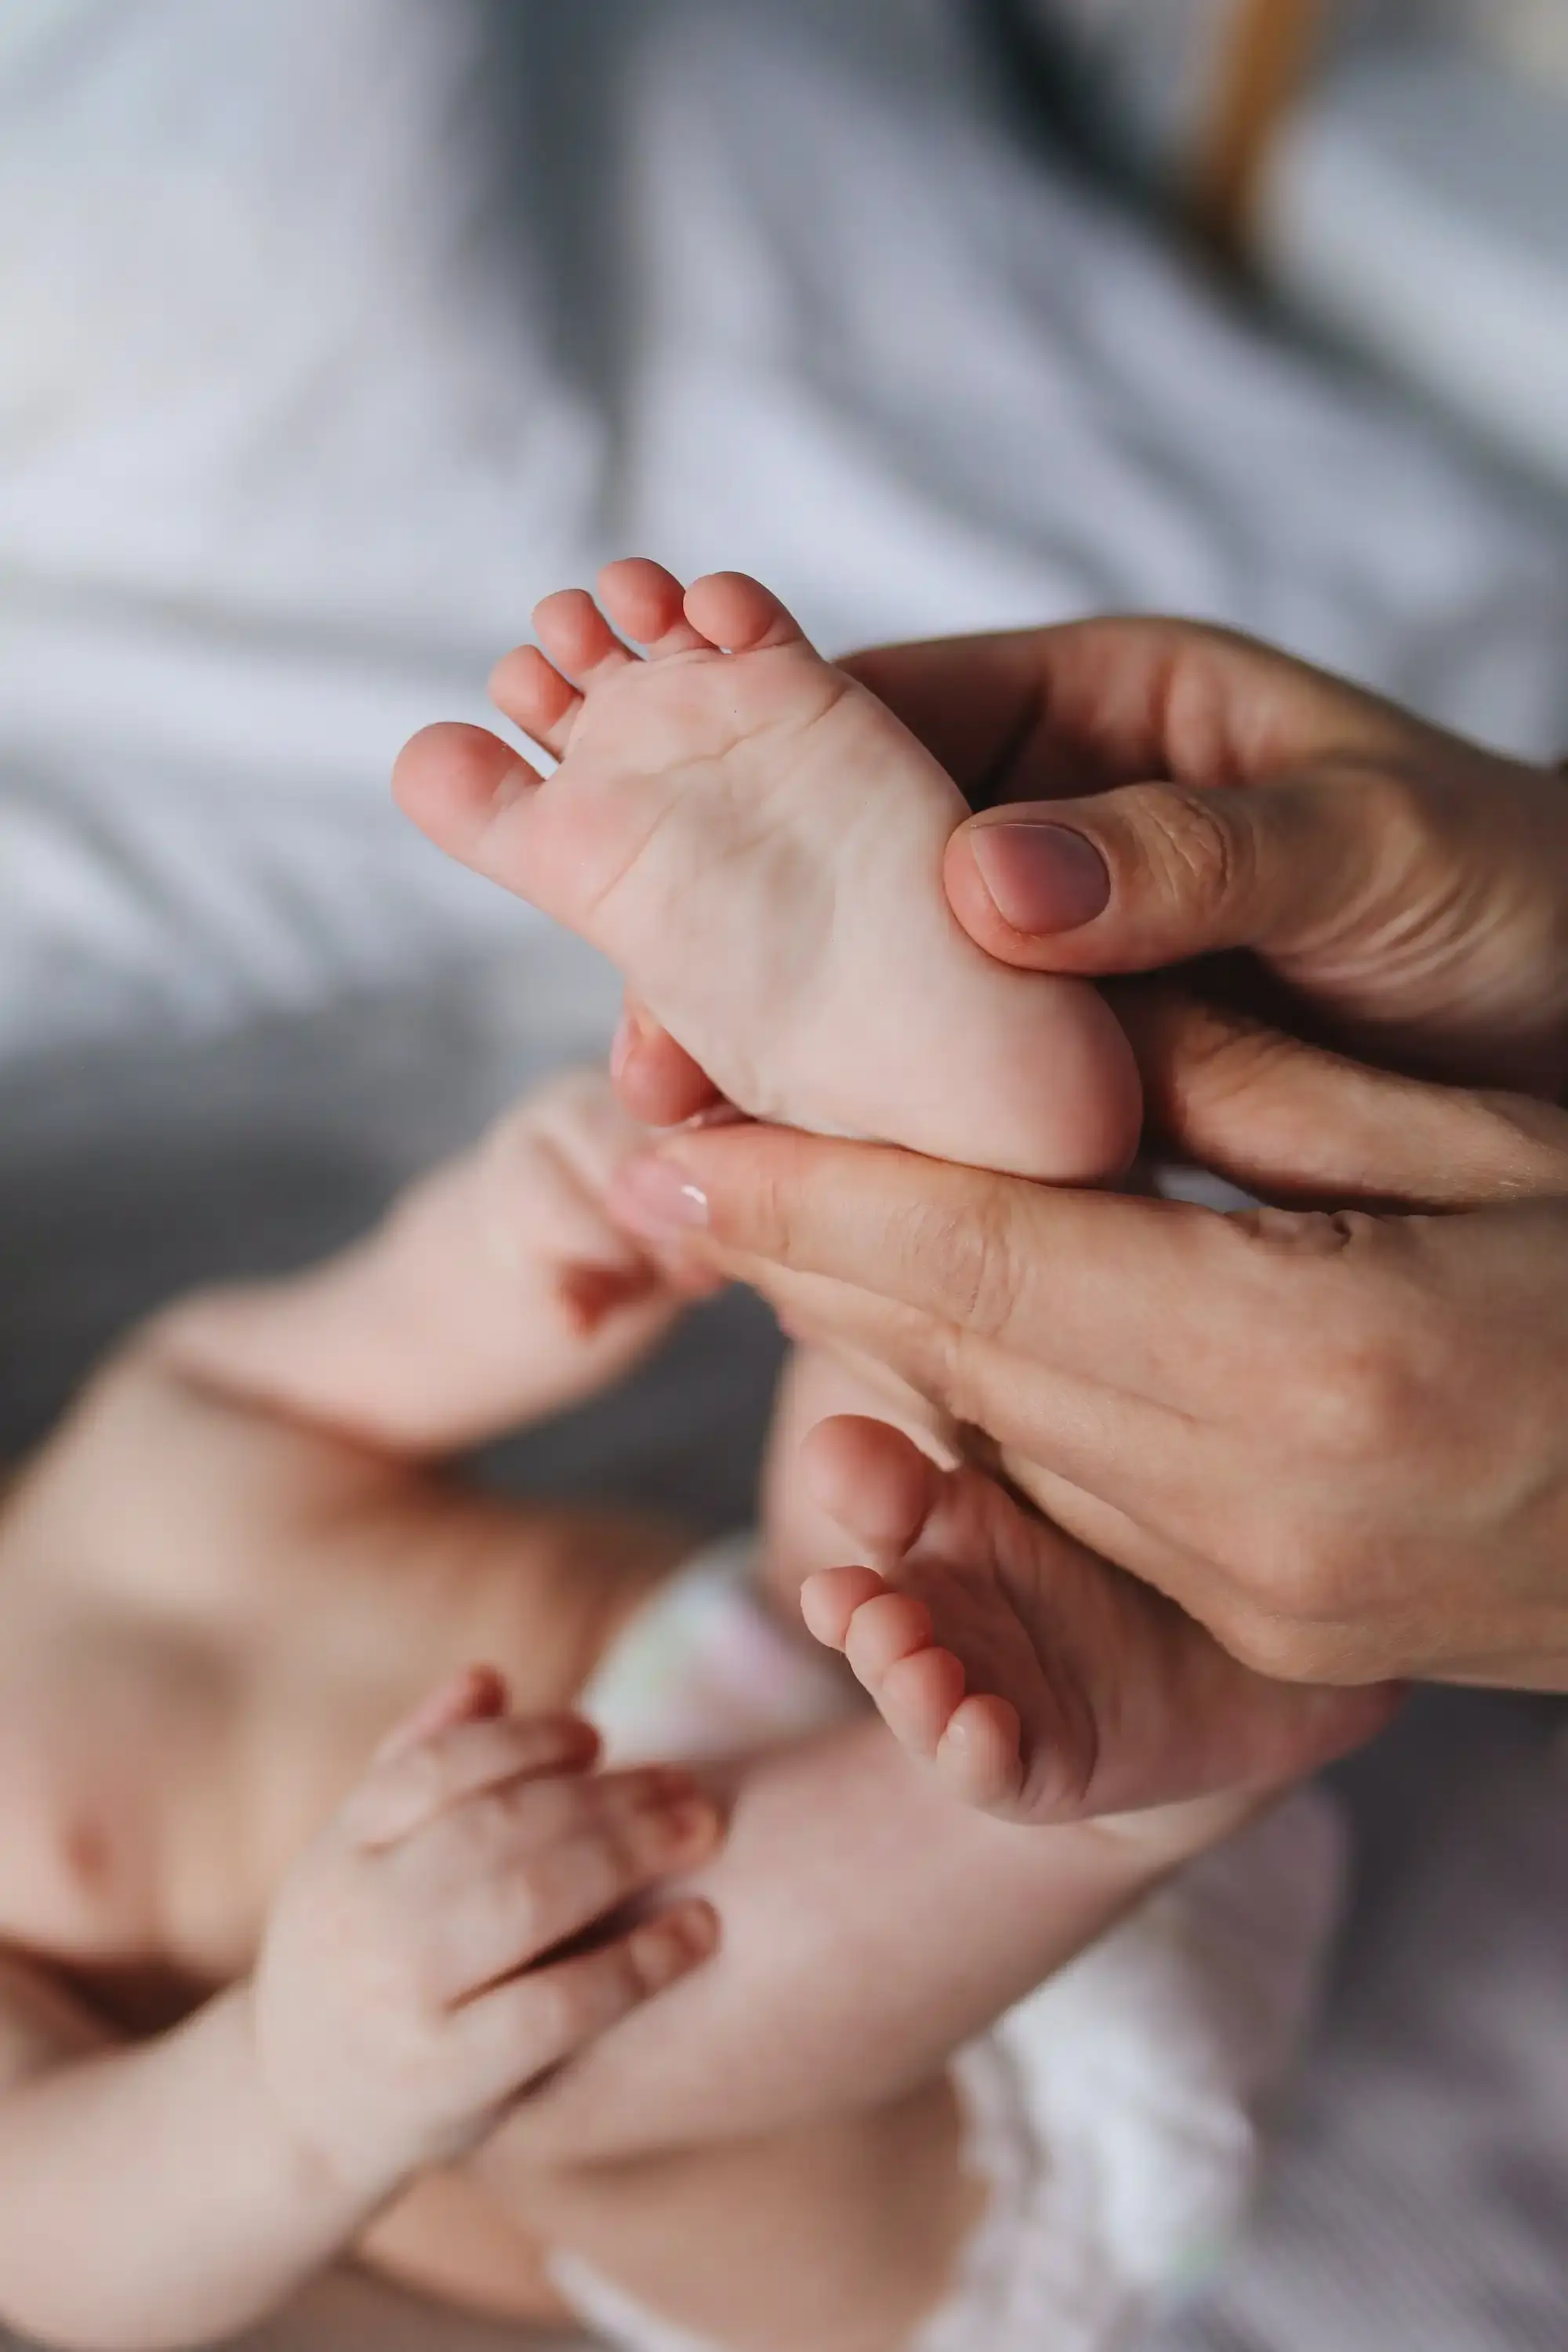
(454, 780)
(873, 1479)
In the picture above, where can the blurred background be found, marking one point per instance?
(334, 332)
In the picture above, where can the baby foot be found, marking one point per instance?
(757, 843)
(1044, 1683)
(497, 1290)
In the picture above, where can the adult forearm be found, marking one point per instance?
(149, 2198)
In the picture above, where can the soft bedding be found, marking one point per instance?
(337, 331)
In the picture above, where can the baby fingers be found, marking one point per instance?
(504, 1876)
(520, 2028)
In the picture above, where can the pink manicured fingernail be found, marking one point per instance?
(621, 1045)
(657, 1197)
(719, 1114)
(1043, 879)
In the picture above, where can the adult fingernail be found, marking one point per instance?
(719, 1114)
(657, 1199)
(621, 1045)
(1043, 879)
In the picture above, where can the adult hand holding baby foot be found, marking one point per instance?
(1334, 1436)
(718, 803)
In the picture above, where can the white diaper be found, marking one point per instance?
(1118, 2114)
(704, 1669)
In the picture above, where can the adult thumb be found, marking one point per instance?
(1155, 874)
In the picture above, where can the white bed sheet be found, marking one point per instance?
(339, 330)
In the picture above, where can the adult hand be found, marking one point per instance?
(1154, 792)
(1339, 1410)
(1195, 793)
(1338, 1439)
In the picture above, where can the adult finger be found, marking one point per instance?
(657, 1080)
(1293, 1122)
(1117, 1290)
(1089, 705)
(1159, 872)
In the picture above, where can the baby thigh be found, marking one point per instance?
(844, 2234)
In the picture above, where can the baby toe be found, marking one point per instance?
(453, 780)
(885, 1628)
(535, 696)
(980, 1753)
(916, 1698)
(873, 1479)
(578, 637)
(646, 602)
(830, 1598)
(734, 611)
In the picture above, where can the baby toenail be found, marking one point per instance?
(1043, 879)
(657, 1197)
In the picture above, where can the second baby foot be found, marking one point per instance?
(757, 843)
(1045, 1684)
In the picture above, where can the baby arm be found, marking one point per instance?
(495, 1291)
(149, 2195)
(405, 1997)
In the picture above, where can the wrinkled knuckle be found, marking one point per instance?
(1279, 1241)
(763, 1216)
(1396, 811)
(1359, 1374)
(1197, 856)
(969, 1255)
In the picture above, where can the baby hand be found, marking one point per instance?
(497, 1289)
(410, 1986)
